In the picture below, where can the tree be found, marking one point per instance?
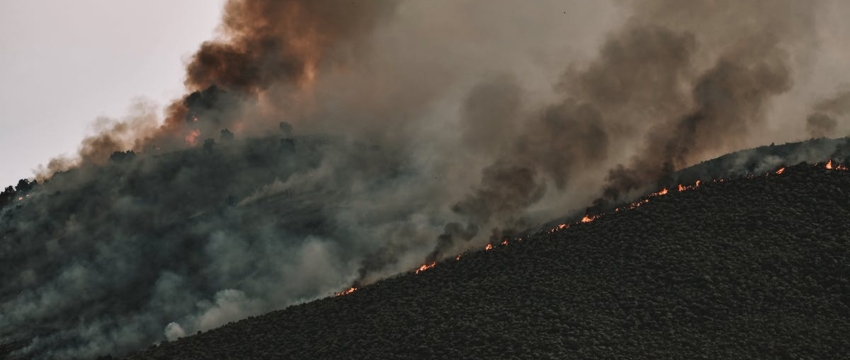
(209, 144)
(25, 185)
(7, 196)
(226, 135)
(122, 156)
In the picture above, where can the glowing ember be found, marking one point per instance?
(558, 228)
(587, 218)
(192, 138)
(829, 165)
(489, 247)
(636, 205)
(681, 187)
(505, 243)
(780, 171)
(660, 193)
(346, 292)
(457, 258)
(425, 267)
(697, 184)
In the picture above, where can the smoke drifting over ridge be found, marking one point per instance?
(412, 131)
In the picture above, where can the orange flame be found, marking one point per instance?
(587, 218)
(457, 258)
(489, 247)
(192, 138)
(681, 188)
(780, 171)
(637, 204)
(425, 267)
(831, 166)
(558, 228)
(660, 193)
(346, 292)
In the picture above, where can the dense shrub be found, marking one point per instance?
(748, 268)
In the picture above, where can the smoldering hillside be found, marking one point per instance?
(323, 144)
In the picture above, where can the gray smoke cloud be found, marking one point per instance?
(321, 145)
(824, 120)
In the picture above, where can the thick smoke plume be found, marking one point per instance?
(323, 144)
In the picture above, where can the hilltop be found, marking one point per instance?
(214, 234)
(745, 268)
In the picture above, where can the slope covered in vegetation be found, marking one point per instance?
(745, 268)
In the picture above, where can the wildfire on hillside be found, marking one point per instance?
(590, 218)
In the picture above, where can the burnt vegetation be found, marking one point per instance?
(746, 268)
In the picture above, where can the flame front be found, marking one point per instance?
(425, 267)
(346, 292)
(587, 218)
(831, 166)
(590, 218)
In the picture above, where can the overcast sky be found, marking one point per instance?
(65, 63)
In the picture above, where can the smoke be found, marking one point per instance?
(820, 125)
(729, 100)
(323, 144)
(823, 122)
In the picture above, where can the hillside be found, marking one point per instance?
(100, 260)
(746, 268)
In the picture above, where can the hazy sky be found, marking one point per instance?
(65, 63)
